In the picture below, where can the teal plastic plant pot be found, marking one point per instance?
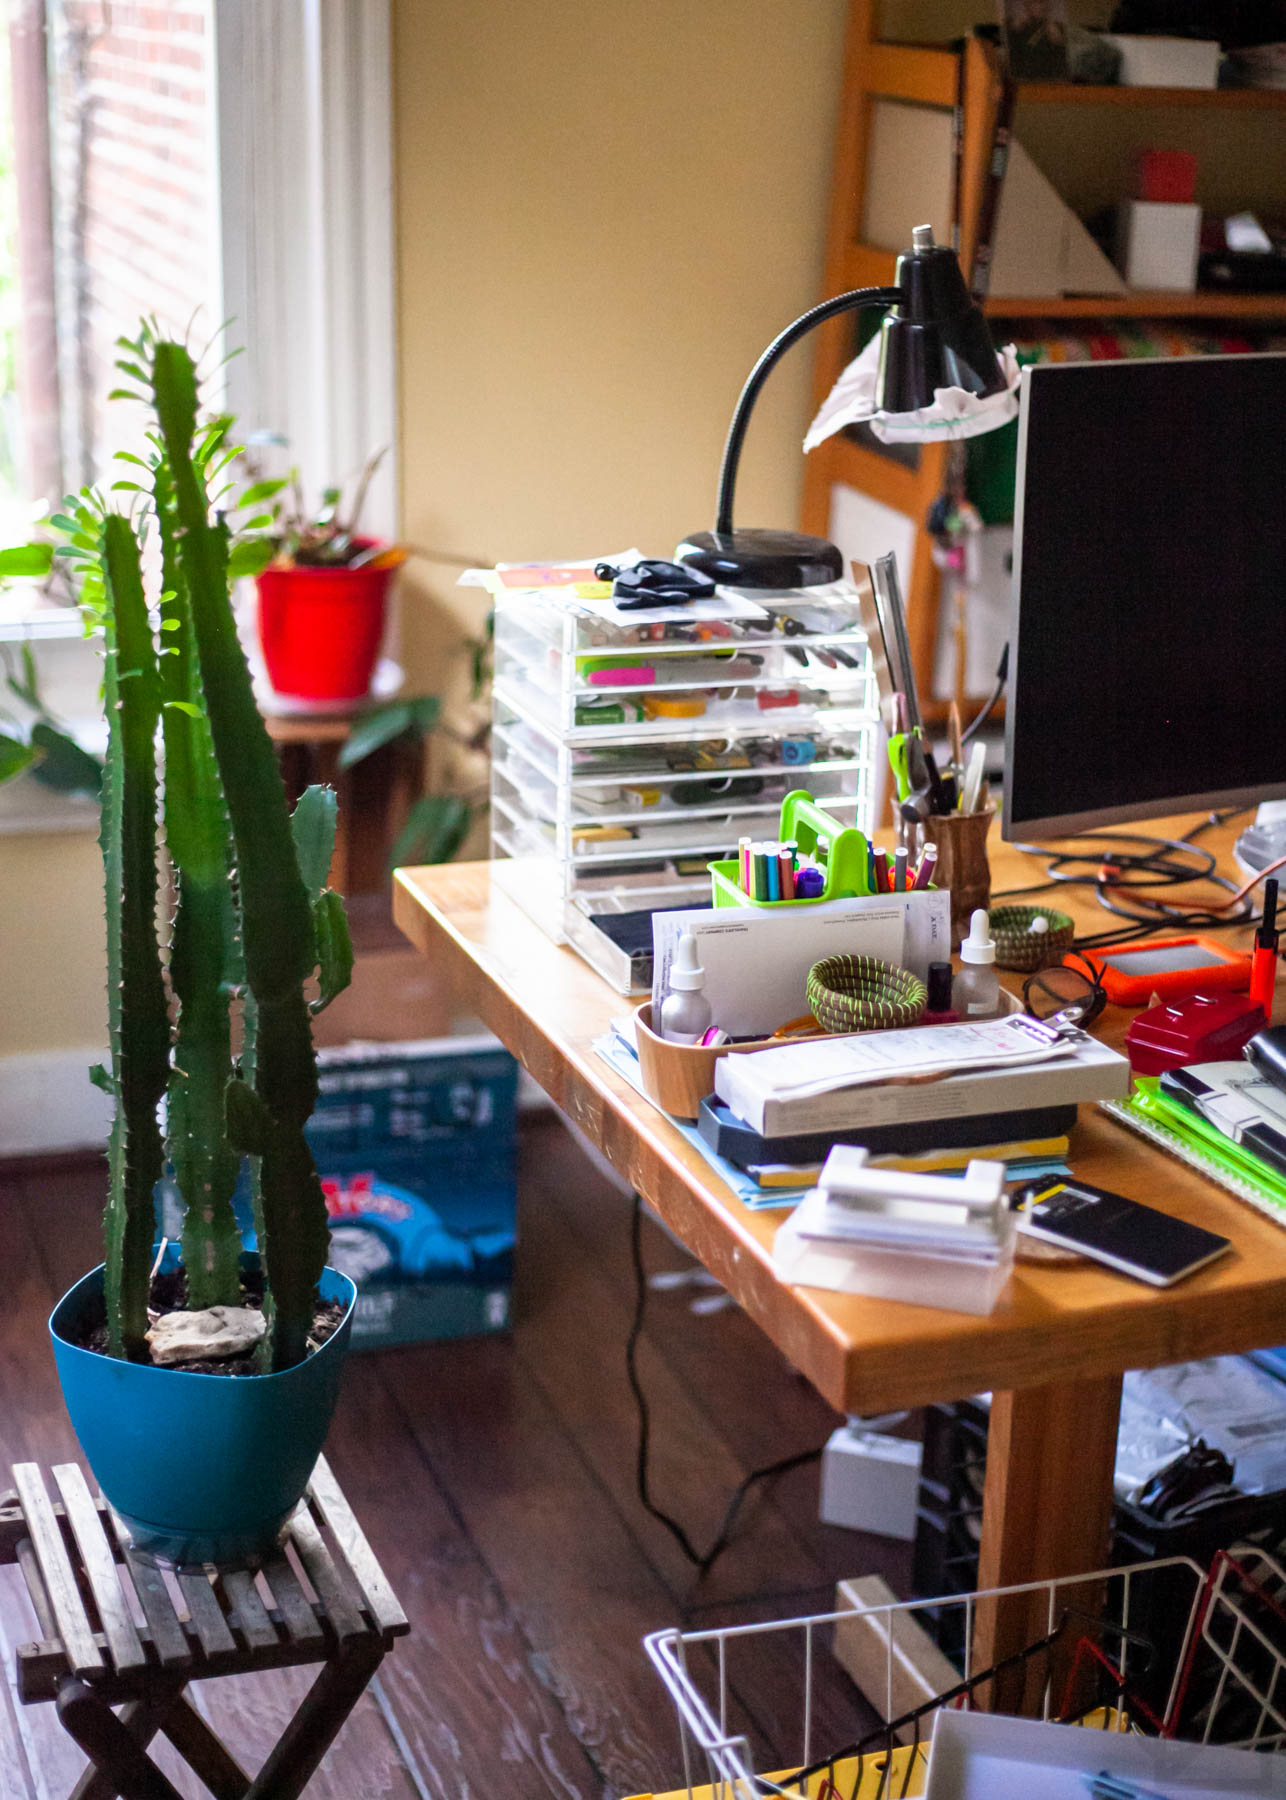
(202, 1468)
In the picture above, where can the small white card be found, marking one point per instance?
(756, 962)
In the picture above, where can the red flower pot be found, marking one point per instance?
(321, 629)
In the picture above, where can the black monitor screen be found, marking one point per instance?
(1148, 653)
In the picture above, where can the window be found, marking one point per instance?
(108, 210)
(195, 161)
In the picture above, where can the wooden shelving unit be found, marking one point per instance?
(925, 76)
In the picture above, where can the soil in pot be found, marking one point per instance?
(169, 1293)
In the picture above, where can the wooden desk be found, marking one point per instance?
(1055, 1348)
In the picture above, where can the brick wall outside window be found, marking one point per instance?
(134, 201)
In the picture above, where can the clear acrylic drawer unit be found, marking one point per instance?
(628, 756)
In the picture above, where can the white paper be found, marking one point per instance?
(1236, 1407)
(987, 1756)
(797, 1071)
(724, 603)
(756, 962)
(955, 412)
(580, 568)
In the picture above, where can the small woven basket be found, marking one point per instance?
(1019, 947)
(861, 993)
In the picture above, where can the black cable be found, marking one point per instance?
(703, 1562)
(992, 701)
(1161, 862)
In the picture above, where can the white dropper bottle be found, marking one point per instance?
(975, 993)
(685, 1011)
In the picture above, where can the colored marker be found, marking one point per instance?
(743, 864)
(1263, 969)
(883, 885)
(774, 871)
(928, 863)
(760, 858)
(901, 857)
(786, 871)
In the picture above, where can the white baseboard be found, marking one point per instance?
(49, 1104)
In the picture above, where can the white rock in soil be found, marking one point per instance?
(217, 1331)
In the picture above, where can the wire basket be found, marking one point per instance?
(1077, 1660)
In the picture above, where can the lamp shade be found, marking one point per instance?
(935, 337)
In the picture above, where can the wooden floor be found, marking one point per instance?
(495, 1479)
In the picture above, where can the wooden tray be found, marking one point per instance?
(678, 1077)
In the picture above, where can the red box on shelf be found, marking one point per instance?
(1166, 175)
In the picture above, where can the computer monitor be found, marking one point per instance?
(1147, 669)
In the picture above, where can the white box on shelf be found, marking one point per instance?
(871, 1482)
(1157, 243)
(1166, 61)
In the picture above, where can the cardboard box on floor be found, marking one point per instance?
(416, 1147)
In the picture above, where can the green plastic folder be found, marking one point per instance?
(1195, 1141)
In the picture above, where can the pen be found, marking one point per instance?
(1263, 969)
(786, 871)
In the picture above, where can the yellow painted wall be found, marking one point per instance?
(604, 212)
(52, 944)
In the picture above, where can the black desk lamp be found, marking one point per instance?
(934, 337)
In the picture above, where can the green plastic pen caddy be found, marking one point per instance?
(803, 822)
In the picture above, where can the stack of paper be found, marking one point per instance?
(926, 1072)
(933, 1240)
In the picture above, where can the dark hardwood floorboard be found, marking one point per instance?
(495, 1478)
(572, 1338)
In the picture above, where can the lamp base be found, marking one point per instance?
(762, 559)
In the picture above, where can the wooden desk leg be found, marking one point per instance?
(1047, 1511)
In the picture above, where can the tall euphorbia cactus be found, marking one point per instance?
(254, 922)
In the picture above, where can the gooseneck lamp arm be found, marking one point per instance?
(818, 315)
(932, 337)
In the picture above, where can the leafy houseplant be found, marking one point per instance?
(323, 590)
(42, 745)
(201, 1464)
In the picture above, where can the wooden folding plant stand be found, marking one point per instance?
(96, 1654)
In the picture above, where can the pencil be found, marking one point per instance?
(953, 730)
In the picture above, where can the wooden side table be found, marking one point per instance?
(320, 1598)
(374, 796)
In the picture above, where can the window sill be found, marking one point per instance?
(41, 627)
